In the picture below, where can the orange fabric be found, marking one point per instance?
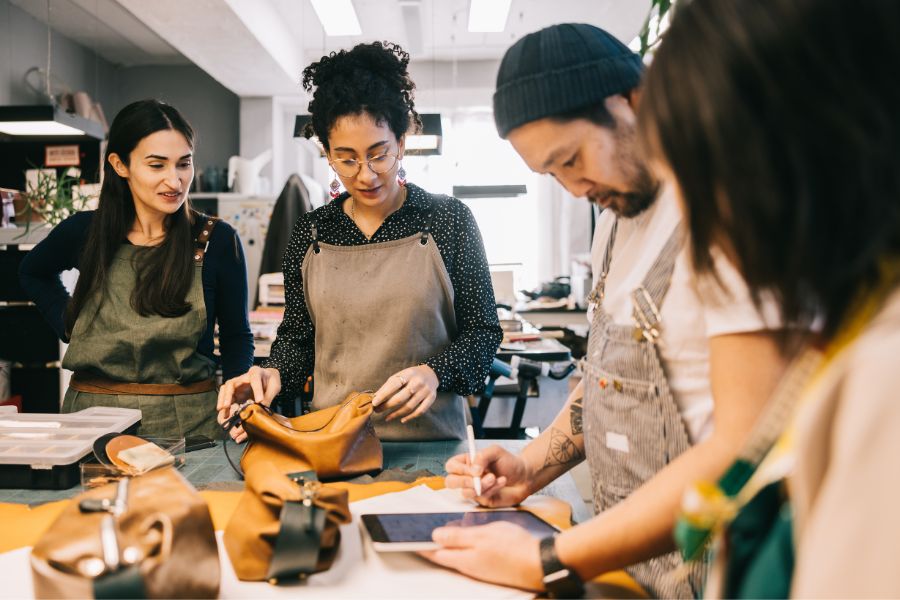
(22, 525)
(623, 581)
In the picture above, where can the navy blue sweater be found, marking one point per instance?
(224, 287)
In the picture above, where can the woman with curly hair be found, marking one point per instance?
(387, 287)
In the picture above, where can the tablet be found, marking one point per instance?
(407, 532)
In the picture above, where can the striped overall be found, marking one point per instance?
(632, 425)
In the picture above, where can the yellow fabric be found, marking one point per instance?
(623, 581)
(23, 525)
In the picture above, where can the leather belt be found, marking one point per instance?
(99, 385)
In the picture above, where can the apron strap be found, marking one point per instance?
(648, 298)
(314, 232)
(203, 226)
(426, 228)
(596, 295)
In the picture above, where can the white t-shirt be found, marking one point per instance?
(692, 311)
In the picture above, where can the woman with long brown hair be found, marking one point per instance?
(154, 278)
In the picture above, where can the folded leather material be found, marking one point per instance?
(284, 527)
(335, 442)
(150, 537)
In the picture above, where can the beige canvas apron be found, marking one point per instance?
(377, 309)
(632, 424)
(118, 344)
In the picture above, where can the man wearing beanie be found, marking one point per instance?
(677, 369)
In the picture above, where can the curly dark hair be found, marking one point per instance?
(370, 78)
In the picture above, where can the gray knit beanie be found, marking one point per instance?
(559, 69)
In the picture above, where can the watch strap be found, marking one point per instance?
(559, 580)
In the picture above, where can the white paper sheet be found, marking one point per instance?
(15, 571)
(358, 570)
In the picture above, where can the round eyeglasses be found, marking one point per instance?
(350, 167)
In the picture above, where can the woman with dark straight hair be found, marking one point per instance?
(154, 278)
(778, 121)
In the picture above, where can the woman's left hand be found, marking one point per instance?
(498, 553)
(407, 394)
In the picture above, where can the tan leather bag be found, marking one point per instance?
(149, 536)
(334, 442)
(284, 527)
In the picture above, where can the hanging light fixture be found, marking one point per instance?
(427, 142)
(46, 120)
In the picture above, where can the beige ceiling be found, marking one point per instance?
(259, 47)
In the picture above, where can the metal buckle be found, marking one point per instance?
(643, 327)
(599, 292)
(309, 489)
(109, 541)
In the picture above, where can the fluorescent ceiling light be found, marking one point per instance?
(46, 120)
(38, 128)
(337, 17)
(488, 16)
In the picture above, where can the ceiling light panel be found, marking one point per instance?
(488, 16)
(338, 17)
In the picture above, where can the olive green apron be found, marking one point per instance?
(111, 340)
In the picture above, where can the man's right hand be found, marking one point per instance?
(262, 385)
(504, 477)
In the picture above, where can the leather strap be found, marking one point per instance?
(92, 384)
(124, 583)
(203, 225)
(296, 550)
(227, 427)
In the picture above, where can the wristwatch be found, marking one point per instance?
(559, 580)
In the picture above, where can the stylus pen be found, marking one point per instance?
(470, 434)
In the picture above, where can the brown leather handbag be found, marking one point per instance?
(284, 526)
(143, 537)
(335, 442)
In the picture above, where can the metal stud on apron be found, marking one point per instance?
(632, 425)
(377, 309)
(121, 358)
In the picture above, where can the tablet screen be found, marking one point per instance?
(417, 527)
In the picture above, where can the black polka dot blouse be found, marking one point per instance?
(463, 365)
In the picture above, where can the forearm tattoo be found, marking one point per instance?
(562, 450)
(575, 420)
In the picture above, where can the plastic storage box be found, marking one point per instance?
(44, 451)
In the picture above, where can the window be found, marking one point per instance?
(474, 155)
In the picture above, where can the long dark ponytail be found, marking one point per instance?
(164, 272)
